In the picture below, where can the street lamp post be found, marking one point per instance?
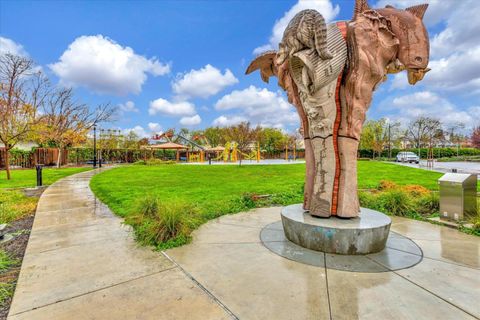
(389, 142)
(94, 146)
(100, 153)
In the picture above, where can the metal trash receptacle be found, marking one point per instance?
(458, 196)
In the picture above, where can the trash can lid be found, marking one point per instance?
(455, 177)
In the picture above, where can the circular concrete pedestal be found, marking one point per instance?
(365, 234)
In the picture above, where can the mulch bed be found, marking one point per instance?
(16, 249)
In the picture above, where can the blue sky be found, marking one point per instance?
(181, 63)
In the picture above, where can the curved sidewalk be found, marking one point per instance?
(81, 262)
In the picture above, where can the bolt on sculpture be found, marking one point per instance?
(329, 73)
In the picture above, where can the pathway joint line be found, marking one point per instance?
(93, 291)
(431, 292)
(211, 295)
(326, 282)
(434, 259)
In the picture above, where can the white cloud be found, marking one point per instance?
(181, 108)
(428, 103)
(462, 31)
(102, 65)
(325, 7)
(459, 72)
(437, 9)
(259, 106)
(191, 121)
(139, 130)
(10, 46)
(128, 106)
(224, 121)
(455, 49)
(203, 83)
(155, 127)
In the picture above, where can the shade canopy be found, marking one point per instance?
(217, 148)
(168, 146)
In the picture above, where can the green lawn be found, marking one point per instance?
(218, 190)
(211, 188)
(371, 172)
(28, 177)
(14, 204)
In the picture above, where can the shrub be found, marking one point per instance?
(153, 162)
(163, 224)
(416, 190)
(406, 201)
(248, 200)
(428, 204)
(476, 223)
(437, 152)
(173, 220)
(396, 202)
(367, 200)
(6, 292)
(156, 162)
(149, 207)
(6, 262)
(387, 185)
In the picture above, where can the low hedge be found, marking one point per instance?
(437, 152)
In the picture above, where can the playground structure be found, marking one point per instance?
(231, 153)
(186, 149)
(197, 148)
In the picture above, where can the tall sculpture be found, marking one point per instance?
(329, 73)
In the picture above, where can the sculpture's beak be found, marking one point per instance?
(415, 75)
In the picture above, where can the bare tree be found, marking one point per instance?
(422, 129)
(66, 121)
(454, 134)
(22, 92)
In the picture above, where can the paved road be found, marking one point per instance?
(462, 167)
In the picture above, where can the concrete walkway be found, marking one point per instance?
(82, 263)
(228, 258)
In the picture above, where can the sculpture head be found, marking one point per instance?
(408, 27)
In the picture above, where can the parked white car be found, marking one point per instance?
(407, 157)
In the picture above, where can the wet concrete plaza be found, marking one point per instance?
(83, 263)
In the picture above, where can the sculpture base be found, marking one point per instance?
(364, 234)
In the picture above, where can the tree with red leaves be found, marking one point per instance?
(476, 137)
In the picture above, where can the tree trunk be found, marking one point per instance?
(59, 157)
(7, 162)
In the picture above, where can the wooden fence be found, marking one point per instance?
(29, 159)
